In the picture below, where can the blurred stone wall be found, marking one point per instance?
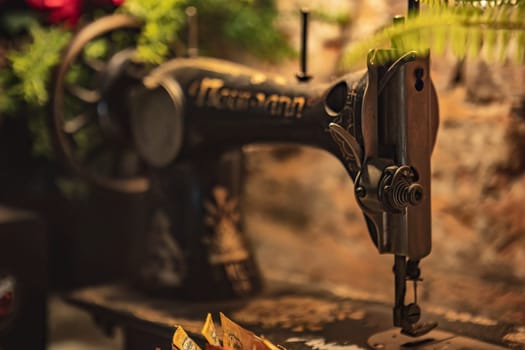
(303, 219)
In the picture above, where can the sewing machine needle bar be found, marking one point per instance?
(400, 289)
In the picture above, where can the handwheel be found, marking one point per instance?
(89, 117)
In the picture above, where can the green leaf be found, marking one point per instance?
(489, 43)
(32, 64)
(439, 38)
(98, 48)
(8, 102)
(459, 41)
(520, 48)
(37, 124)
(163, 20)
(474, 42)
(73, 188)
(16, 22)
(467, 28)
(503, 43)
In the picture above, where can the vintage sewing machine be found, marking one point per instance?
(187, 120)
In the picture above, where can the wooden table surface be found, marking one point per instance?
(297, 317)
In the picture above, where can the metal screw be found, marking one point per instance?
(413, 313)
(360, 191)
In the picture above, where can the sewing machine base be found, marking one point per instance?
(290, 315)
(435, 340)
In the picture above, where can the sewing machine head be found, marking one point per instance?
(381, 124)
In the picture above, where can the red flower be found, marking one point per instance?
(109, 2)
(67, 11)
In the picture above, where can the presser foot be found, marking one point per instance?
(407, 317)
(418, 329)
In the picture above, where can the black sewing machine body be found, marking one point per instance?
(188, 119)
(220, 105)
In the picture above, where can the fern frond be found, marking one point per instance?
(7, 100)
(475, 42)
(32, 64)
(465, 30)
(97, 48)
(403, 36)
(472, 3)
(162, 19)
(520, 48)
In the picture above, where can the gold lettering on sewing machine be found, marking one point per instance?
(211, 92)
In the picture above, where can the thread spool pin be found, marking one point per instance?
(303, 76)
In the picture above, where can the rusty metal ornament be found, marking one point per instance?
(226, 245)
(223, 216)
(63, 129)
